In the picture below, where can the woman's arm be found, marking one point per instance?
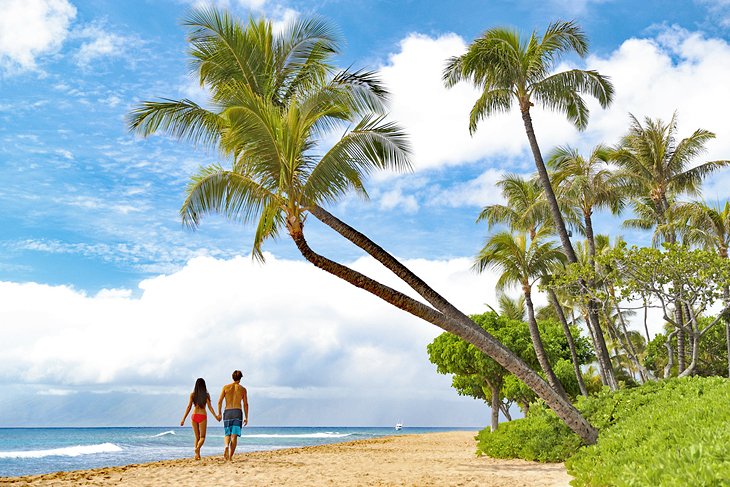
(210, 406)
(190, 405)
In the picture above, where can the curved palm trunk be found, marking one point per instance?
(604, 360)
(542, 357)
(463, 328)
(569, 337)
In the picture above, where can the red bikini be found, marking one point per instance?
(199, 418)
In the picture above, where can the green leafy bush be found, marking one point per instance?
(540, 436)
(670, 433)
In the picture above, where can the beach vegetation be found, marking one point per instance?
(671, 432)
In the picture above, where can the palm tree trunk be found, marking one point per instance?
(547, 187)
(604, 359)
(542, 357)
(601, 350)
(599, 342)
(463, 328)
(569, 337)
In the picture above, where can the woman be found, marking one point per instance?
(199, 398)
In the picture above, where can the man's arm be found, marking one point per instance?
(220, 400)
(245, 407)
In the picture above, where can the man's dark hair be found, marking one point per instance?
(237, 374)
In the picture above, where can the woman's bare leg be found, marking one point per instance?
(203, 427)
(196, 430)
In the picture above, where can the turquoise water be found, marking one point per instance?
(28, 451)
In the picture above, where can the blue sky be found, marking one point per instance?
(89, 213)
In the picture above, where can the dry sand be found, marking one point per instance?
(434, 459)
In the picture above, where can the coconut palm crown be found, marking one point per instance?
(274, 96)
(509, 68)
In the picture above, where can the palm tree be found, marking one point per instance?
(275, 95)
(514, 309)
(527, 211)
(522, 264)
(509, 68)
(589, 184)
(709, 226)
(656, 169)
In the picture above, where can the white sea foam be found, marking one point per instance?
(163, 434)
(304, 435)
(69, 451)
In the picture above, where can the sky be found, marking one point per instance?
(109, 309)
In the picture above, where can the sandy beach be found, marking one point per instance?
(434, 459)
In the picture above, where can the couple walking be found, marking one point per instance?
(235, 416)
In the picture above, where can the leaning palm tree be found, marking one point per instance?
(509, 68)
(656, 169)
(522, 265)
(274, 97)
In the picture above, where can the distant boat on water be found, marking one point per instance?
(398, 426)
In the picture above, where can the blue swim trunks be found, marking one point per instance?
(232, 422)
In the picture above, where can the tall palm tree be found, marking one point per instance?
(509, 68)
(709, 226)
(522, 265)
(527, 211)
(589, 184)
(656, 169)
(275, 95)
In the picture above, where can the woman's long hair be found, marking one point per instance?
(200, 393)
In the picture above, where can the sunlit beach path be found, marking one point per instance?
(434, 459)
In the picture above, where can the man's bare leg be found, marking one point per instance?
(234, 442)
(226, 455)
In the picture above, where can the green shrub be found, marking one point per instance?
(540, 436)
(669, 433)
(663, 433)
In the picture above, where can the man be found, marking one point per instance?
(233, 417)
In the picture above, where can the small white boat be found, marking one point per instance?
(398, 426)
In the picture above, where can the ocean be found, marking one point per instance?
(29, 451)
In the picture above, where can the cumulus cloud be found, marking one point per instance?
(30, 29)
(480, 191)
(295, 330)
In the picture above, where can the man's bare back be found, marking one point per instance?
(233, 417)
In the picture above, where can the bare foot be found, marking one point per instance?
(197, 453)
(225, 454)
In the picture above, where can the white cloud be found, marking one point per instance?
(294, 330)
(30, 29)
(719, 11)
(479, 191)
(286, 323)
(100, 43)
